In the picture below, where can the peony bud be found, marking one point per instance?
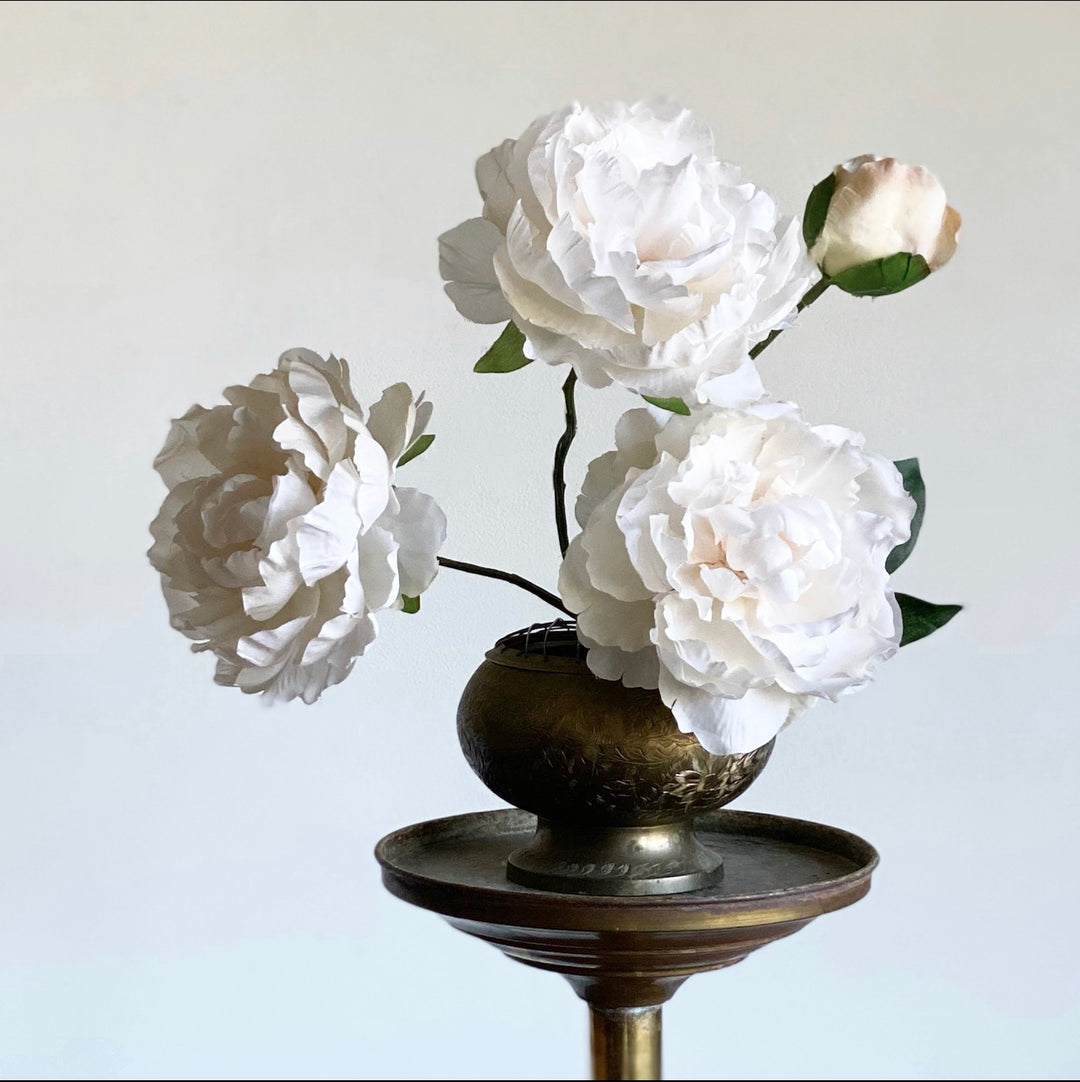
(876, 226)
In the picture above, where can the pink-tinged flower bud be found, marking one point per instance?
(876, 226)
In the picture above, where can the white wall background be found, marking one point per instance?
(186, 881)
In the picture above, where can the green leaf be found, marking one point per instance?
(410, 604)
(916, 489)
(817, 209)
(505, 354)
(419, 446)
(881, 277)
(922, 617)
(674, 405)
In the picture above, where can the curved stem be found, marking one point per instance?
(809, 297)
(561, 450)
(506, 576)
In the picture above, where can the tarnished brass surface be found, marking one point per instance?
(665, 858)
(587, 755)
(779, 874)
(625, 1043)
(548, 736)
(629, 952)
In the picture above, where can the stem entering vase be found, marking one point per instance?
(505, 576)
(561, 450)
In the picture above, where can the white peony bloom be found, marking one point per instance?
(619, 244)
(735, 559)
(283, 532)
(880, 207)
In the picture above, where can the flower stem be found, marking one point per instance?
(808, 299)
(506, 576)
(561, 450)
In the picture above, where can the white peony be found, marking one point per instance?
(880, 207)
(619, 244)
(736, 560)
(283, 531)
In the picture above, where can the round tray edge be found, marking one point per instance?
(523, 907)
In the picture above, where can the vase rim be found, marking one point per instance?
(551, 647)
(509, 658)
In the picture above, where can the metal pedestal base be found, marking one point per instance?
(626, 956)
(662, 859)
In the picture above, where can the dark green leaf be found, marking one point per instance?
(419, 446)
(675, 405)
(881, 277)
(817, 208)
(410, 604)
(922, 617)
(916, 489)
(505, 354)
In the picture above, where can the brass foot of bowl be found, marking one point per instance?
(614, 782)
(660, 859)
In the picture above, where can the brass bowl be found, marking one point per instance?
(614, 782)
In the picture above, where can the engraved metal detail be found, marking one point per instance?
(548, 736)
(589, 755)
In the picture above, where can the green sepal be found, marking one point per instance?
(673, 405)
(922, 617)
(916, 489)
(506, 353)
(410, 604)
(882, 277)
(817, 209)
(419, 446)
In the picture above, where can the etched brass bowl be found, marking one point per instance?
(613, 781)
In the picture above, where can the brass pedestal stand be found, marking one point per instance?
(626, 956)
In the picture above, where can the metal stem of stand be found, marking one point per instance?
(626, 1042)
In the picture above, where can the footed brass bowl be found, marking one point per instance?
(613, 781)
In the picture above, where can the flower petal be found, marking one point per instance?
(282, 533)
(466, 255)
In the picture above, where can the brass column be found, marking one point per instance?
(625, 1042)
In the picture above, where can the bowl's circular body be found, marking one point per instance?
(546, 735)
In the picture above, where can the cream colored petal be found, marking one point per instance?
(392, 421)
(373, 582)
(280, 571)
(638, 669)
(728, 726)
(608, 562)
(327, 534)
(183, 457)
(947, 239)
(494, 183)
(466, 255)
(419, 528)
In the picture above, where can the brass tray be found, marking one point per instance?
(626, 956)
